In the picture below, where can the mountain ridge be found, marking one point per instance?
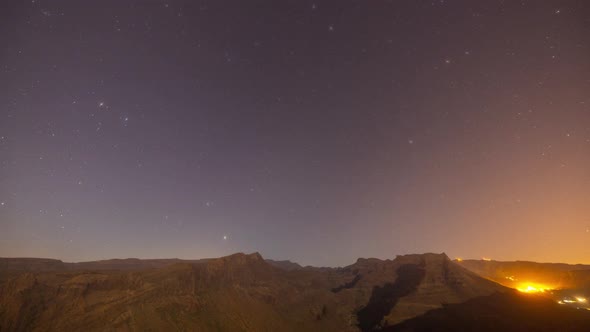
(238, 292)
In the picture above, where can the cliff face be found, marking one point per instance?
(443, 282)
(234, 293)
(408, 286)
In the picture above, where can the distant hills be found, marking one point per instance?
(240, 292)
(518, 273)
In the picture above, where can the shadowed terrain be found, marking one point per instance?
(384, 298)
(239, 292)
(507, 312)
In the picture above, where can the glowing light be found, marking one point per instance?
(530, 289)
(486, 259)
(581, 299)
(511, 278)
(533, 288)
(459, 259)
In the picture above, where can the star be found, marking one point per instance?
(2, 203)
(330, 28)
(225, 237)
(100, 104)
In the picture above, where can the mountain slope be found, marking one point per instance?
(515, 274)
(507, 312)
(409, 286)
(234, 293)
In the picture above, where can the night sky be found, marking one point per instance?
(312, 131)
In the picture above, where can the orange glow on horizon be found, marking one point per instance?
(533, 288)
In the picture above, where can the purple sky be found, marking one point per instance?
(312, 131)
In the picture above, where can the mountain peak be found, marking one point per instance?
(284, 265)
(424, 258)
(237, 260)
(379, 292)
(241, 257)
